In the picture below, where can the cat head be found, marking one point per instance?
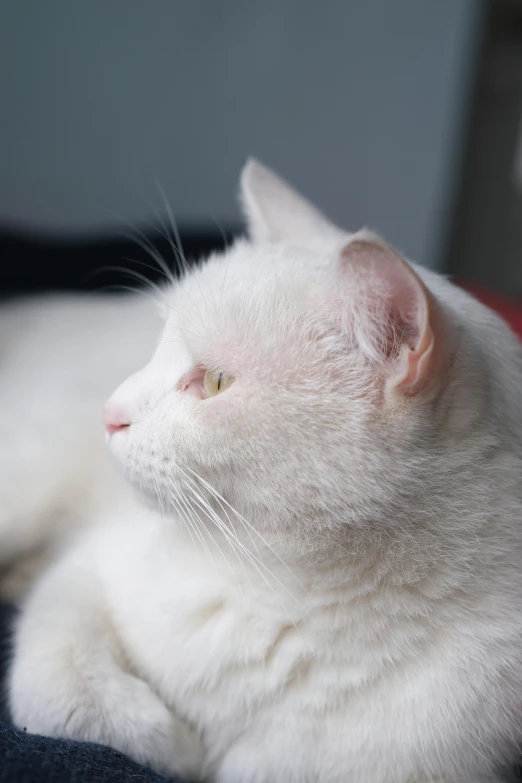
(297, 379)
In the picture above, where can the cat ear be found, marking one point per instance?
(395, 318)
(275, 212)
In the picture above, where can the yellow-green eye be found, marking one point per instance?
(216, 382)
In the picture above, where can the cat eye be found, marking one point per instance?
(216, 382)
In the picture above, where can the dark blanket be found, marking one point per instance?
(25, 758)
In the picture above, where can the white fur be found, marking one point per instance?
(60, 357)
(329, 588)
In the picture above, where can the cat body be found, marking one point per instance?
(60, 357)
(325, 586)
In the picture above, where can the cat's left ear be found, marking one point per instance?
(395, 319)
(275, 212)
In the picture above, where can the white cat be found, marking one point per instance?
(330, 587)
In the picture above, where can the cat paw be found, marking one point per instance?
(126, 715)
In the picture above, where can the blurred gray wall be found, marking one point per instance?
(360, 103)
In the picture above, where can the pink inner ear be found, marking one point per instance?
(192, 383)
(395, 311)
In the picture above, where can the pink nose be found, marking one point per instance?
(114, 419)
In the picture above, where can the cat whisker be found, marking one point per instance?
(132, 273)
(231, 525)
(261, 568)
(239, 549)
(130, 289)
(214, 518)
(148, 266)
(142, 240)
(192, 528)
(184, 331)
(158, 494)
(186, 527)
(247, 523)
(221, 230)
(163, 231)
(223, 287)
(153, 286)
(191, 521)
(213, 539)
(146, 244)
(196, 520)
(174, 226)
(186, 266)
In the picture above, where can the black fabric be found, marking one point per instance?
(25, 758)
(36, 263)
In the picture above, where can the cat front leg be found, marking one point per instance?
(69, 679)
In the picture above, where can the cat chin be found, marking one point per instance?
(150, 495)
(148, 499)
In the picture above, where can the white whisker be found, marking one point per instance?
(142, 240)
(261, 568)
(137, 275)
(173, 225)
(192, 522)
(230, 523)
(247, 523)
(196, 519)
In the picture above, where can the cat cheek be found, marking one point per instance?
(192, 383)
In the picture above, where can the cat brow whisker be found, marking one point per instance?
(131, 273)
(223, 287)
(154, 286)
(147, 266)
(175, 231)
(163, 231)
(142, 240)
(174, 226)
(151, 250)
(186, 331)
(221, 230)
(129, 288)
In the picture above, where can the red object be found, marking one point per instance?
(509, 309)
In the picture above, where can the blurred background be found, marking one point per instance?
(404, 115)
